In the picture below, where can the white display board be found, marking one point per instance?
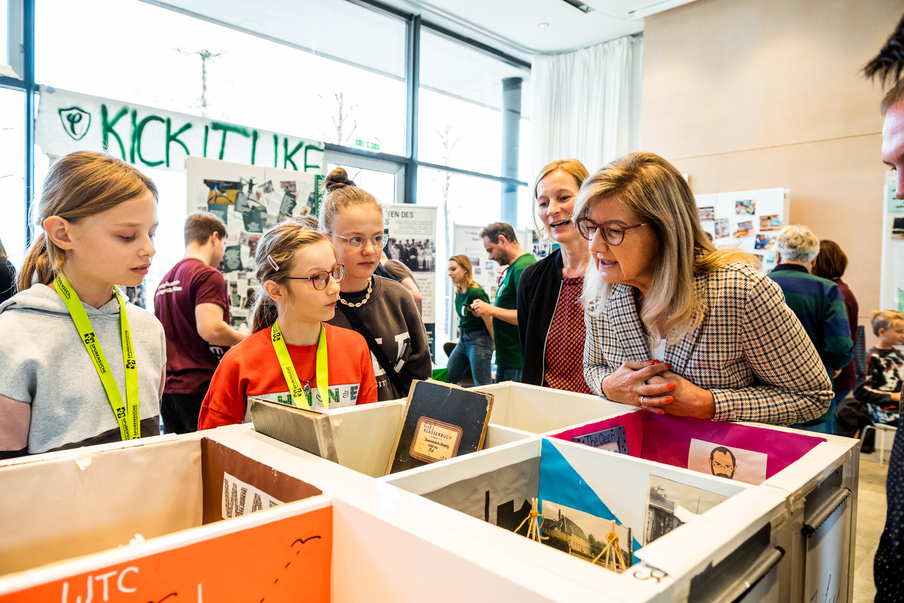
(250, 200)
(749, 220)
(412, 240)
(891, 288)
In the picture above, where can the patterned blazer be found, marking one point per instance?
(749, 350)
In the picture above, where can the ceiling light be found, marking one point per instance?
(542, 25)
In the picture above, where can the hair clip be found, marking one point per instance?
(273, 262)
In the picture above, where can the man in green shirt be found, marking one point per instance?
(501, 243)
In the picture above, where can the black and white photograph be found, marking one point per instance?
(418, 254)
(671, 504)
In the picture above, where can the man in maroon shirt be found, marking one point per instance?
(191, 303)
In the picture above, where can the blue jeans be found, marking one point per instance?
(508, 374)
(476, 348)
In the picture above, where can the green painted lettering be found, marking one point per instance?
(275, 149)
(226, 128)
(170, 138)
(138, 135)
(107, 128)
(287, 156)
(307, 165)
(206, 132)
(253, 145)
(134, 138)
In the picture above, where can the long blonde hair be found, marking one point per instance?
(653, 190)
(78, 185)
(465, 263)
(273, 261)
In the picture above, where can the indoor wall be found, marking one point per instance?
(750, 94)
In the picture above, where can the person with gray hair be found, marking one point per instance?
(819, 306)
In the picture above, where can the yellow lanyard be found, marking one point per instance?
(126, 414)
(298, 392)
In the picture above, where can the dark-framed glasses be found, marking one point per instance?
(612, 231)
(357, 242)
(320, 279)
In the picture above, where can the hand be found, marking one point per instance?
(895, 397)
(243, 332)
(633, 384)
(685, 399)
(481, 308)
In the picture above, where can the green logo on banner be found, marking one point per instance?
(75, 122)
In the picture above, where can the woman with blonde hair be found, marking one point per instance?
(674, 325)
(79, 364)
(475, 345)
(380, 309)
(292, 355)
(550, 316)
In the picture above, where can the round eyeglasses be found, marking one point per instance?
(612, 231)
(320, 279)
(357, 242)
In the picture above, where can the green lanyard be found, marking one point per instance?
(126, 414)
(298, 392)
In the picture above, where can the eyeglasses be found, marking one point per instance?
(613, 232)
(320, 279)
(356, 242)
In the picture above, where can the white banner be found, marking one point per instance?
(150, 137)
(412, 241)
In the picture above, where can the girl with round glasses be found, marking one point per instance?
(380, 309)
(550, 316)
(676, 326)
(293, 356)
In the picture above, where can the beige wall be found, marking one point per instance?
(748, 94)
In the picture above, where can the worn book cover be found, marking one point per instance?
(306, 429)
(440, 421)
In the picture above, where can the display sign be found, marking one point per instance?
(145, 136)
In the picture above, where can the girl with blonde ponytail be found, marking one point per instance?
(292, 355)
(78, 364)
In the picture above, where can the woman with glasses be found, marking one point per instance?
(293, 356)
(676, 326)
(550, 316)
(380, 309)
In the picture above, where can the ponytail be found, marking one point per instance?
(263, 312)
(39, 266)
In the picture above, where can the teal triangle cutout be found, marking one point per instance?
(560, 483)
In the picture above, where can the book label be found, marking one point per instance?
(434, 440)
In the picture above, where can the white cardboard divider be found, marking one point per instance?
(539, 410)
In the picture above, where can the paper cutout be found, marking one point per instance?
(729, 462)
(612, 439)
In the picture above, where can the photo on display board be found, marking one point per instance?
(773, 222)
(745, 207)
(743, 229)
(722, 228)
(764, 241)
(671, 504)
(707, 213)
(585, 536)
(897, 229)
(417, 253)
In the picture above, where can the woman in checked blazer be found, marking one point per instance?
(676, 326)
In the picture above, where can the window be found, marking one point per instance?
(12, 173)
(464, 95)
(172, 61)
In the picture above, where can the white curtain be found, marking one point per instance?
(587, 104)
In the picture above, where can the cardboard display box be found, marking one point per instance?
(817, 473)
(147, 517)
(725, 549)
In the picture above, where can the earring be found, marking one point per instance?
(280, 299)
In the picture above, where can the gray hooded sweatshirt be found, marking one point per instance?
(43, 362)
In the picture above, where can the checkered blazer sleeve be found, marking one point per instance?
(596, 366)
(790, 385)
